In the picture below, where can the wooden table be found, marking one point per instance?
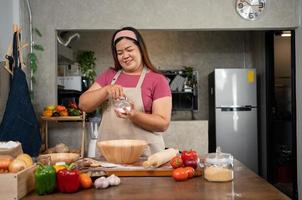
(246, 185)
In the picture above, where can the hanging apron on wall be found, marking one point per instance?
(113, 128)
(19, 121)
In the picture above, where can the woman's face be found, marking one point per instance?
(129, 56)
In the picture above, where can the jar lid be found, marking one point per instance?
(219, 159)
(122, 103)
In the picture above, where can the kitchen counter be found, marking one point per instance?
(246, 185)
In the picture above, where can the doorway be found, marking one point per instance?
(281, 111)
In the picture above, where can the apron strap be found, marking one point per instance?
(15, 50)
(16, 55)
(141, 78)
(114, 79)
(140, 81)
(13, 60)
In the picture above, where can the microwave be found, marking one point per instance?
(70, 82)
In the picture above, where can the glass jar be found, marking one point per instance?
(218, 167)
(121, 104)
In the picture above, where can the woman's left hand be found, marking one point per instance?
(126, 114)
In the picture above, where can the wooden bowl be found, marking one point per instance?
(122, 151)
(53, 158)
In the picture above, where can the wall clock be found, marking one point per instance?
(250, 9)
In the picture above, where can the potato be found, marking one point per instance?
(61, 148)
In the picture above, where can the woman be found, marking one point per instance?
(135, 77)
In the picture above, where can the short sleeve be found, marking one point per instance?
(105, 77)
(162, 88)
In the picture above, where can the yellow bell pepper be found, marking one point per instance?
(59, 167)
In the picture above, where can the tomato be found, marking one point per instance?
(189, 155)
(180, 174)
(176, 162)
(60, 108)
(190, 171)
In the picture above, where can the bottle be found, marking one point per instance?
(218, 167)
(121, 104)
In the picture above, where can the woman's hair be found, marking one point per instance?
(139, 42)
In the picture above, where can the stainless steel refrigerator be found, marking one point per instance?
(233, 114)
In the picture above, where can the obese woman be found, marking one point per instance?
(134, 77)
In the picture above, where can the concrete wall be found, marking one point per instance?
(171, 14)
(203, 50)
(25, 37)
(299, 100)
(10, 14)
(258, 60)
(186, 135)
(6, 22)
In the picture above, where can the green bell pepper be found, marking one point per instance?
(45, 176)
(74, 112)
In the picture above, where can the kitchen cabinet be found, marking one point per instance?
(81, 119)
(183, 85)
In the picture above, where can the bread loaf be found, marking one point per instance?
(160, 158)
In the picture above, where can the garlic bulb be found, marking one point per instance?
(114, 180)
(101, 182)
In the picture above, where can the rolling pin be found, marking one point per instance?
(160, 158)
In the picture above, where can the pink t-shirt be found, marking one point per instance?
(154, 86)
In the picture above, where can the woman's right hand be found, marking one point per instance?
(114, 91)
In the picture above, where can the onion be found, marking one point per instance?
(5, 160)
(16, 166)
(26, 158)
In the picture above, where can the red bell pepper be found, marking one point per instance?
(72, 104)
(68, 180)
(190, 158)
(189, 155)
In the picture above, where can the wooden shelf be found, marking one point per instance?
(67, 118)
(80, 118)
(182, 97)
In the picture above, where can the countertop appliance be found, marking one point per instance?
(94, 125)
(70, 82)
(233, 114)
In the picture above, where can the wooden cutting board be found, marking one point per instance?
(135, 169)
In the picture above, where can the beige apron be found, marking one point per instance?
(113, 127)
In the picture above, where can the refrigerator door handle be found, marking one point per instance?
(231, 109)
